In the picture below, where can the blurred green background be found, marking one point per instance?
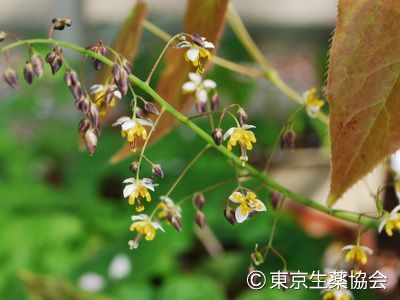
(62, 212)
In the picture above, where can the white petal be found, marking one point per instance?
(168, 201)
(120, 267)
(233, 199)
(129, 189)
(141, 217)
(263, 206)
(395, 210)
(96, 88)
(146, 122)
(229, 132)
(117, 94)
(196, 78)
(183, 44)
(189, 86)
(239, 216)
(348, 247)
(128, 125)
(121, 120)
(193, 53)
(368, 250)
(209, 84)
(382, 224)
(157, 226)
(395, 161)
(208, 45)
(129, 180)
(201, 95)
(247, 126)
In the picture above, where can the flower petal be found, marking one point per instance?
(146, 122)
(129, 189)
(247, 126)
(262, 205)
(233, 199)
(96, 88)
(239, 216)
(129, 180)
(348, 247)
(229, 132)
(209, 84)
(142, 217)
(128, 125)
(201, 95)
(121, 120)
(189, 86)
(193, 53)
(208, 45)
(157, 226)
(196, 78)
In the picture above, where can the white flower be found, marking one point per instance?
(391, 221)
(91, 282)
(247, 203)
(313, 104)
(138, 188)
(120, 267)
(198, 86)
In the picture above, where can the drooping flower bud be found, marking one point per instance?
(176, 221)
(83, 125)
(83, 104)
(90, 139)
(37, 63)
(151, 108)
(59, 23)
(54, 59)
(139, 113)
(242, 116)
(94, 114)
(200, 219)
(230, 215)
(275, 197)
(158, 171)
(201, 107)
(288, 140)
(11, 77)
(198, 200)
(29, 73)
(215, 102)
(98, 48)
(218, 136)
(134, 167)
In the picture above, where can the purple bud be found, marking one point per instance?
(29, 73)
(116, 71)
(139, 113)
(158, 171)
(94, 114)
(215, 102)
(230, 215)
(90, 139)
(288, 140)
(151, 108)
(242, 116)
(134, 167)
(83, 125)
(201, 107)
(50, 57)
(56, 65)
(275, 197)
(85, 103)
(198, 200)
(197, 40)
(59, 23)
(176, 221)
(217, 135)
(11, 77)
(76, 91)
(200, 219)
(37, 63)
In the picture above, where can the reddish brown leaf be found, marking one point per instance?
(206, 18)
(363, 90)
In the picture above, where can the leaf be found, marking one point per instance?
(363, 90)
(206, 18)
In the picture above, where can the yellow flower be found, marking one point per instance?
(391, 221)
(357, 253)
(105, 96)
(132, 129)
(197, 51)
(143, 225)
(340, 294)
(313, 104)
(247, 203)
(137, 190)
(242, 136)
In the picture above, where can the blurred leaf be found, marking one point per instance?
(206, 18)
(51, 288)
(363, 89)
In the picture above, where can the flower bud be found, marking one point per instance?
(215, 102)
(176, 221)
(201, 107)
(3, 35)
(50, 57)
(275, 197)
(288, 140)
(83, 104)
(198, 200)
(99, 49)
(56, 65)
(29, 73)
(123, 83)
(37, 63)
(217, 135)
(90, 139)
(230, 215)
(139, 113)
(126, 64)
(11, 77)
(197, 40)
(116, 71)
(94, 114)
(158, 171)
(134, 167)
(151, 108)
(59, 23)
(200, 219)
(242, 116)
(76, 91)
(83, 125)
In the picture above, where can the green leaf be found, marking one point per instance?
(363, 90)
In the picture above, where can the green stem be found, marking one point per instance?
(365, 220)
